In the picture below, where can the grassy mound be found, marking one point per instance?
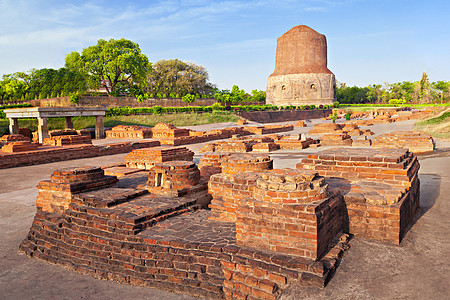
(438, 126)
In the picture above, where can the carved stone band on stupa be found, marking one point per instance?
(301, 76)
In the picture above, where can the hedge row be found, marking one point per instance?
(391, 105)
(156, 110)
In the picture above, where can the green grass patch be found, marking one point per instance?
(437, 120)
(438, 127)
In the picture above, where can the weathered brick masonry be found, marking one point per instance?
(146, 158)
(380, 186)
(52, 154)
(128, 235)
(236, 182)
(129, 132)
(56, 194)
(416, 142)
(289, 211)
(266, 228)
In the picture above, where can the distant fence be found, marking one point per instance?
(110, 102)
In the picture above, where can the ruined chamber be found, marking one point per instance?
(301, 76)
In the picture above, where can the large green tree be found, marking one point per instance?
(111, 64)
(175, 77)
(51, 83)
(15, 86)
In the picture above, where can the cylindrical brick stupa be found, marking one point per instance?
(301, 76)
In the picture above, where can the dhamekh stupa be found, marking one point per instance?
(301, 76)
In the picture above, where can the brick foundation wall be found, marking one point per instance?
(130, 236)
(56, 194)
(52, 154)
(289, 212)
(227, 192)
(416, 142)
(380, 188)
(148, 157)
(381, 222)
(127, 132)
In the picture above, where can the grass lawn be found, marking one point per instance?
(182, 119)
(438, 126)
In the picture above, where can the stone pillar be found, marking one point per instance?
(68, 124)
(99, 128)
(13, 126)
(42, 129)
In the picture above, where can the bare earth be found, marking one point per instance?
(417, 269)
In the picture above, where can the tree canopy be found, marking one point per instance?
(42, 83)
(111, 64)
(175, 77)
(421, 91)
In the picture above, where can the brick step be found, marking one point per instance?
(126, 211)
(108, 197)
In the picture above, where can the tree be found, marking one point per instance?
(111, 64)
(424, 83)
(408, 91)
(258, 96)
(188, 98)
(374, 93)
(236, 95)
(441, 88)
(15, 86)
(174, 76)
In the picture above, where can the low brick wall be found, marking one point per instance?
(52, 154)
(284, 115)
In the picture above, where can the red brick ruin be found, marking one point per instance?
(264, 229)
(230, 227)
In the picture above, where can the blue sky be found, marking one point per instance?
(368, 41)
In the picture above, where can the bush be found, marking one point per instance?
(157, 110)
(217, 106)
(397, 101)
(188, 98)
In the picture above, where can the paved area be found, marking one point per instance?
(417, 269)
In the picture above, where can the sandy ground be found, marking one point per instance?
(417, 269)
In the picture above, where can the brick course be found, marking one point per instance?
(146, 158)
(416, 142)
(380, 187)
